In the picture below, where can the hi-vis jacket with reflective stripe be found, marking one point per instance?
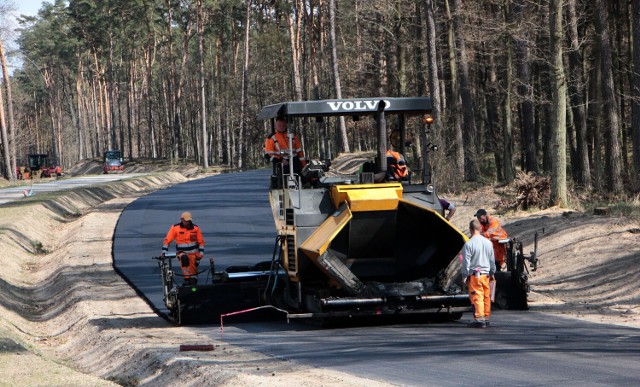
(279, 142)
(188, 240)
(494, 232)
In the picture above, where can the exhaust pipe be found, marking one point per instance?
(342, 302)
(434, 300)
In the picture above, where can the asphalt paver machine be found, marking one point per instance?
(356, 247)
(348, 246)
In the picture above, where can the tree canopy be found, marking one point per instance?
(545, 87)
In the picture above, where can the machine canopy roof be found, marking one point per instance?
(347, 107)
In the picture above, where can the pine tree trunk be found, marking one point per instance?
(559, 107)
(619, 14)
(295, 39)
(217, 105)
(401, 57)
(8, 127)
(491, 91)
(336, 73)
(432, 60)
(635, 94)
(598, 173)
(112, 138)
(468, 105)
(80, 122)
(153, 140)
(245, 87)
(525, 91)
(203, 101)
(5, 142)
(129, 106)
(315, 44)
(576, 92)
(75, 120)
(454, 114)
(435, 93)
(181, 133)
(611, 120)
(171, 81)
(507, 125)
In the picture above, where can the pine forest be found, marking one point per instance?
(546, 87)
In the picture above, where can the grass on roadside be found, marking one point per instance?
(629, 208)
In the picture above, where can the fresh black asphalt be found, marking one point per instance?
(232, 210)
(523, 348)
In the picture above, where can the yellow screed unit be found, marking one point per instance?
(367, 197)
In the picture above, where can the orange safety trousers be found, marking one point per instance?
(480, 295)
(499, 252)
(191, 270)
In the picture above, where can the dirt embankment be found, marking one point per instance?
(66, 318)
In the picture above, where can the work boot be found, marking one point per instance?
(477, 324)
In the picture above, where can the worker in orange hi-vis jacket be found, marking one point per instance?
(189, 246)
(397, 169)
(276, 148)
(492, 230)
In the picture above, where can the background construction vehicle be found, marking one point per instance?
(38, 167)
(113, 162)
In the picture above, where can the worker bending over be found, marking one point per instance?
(492, 230)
